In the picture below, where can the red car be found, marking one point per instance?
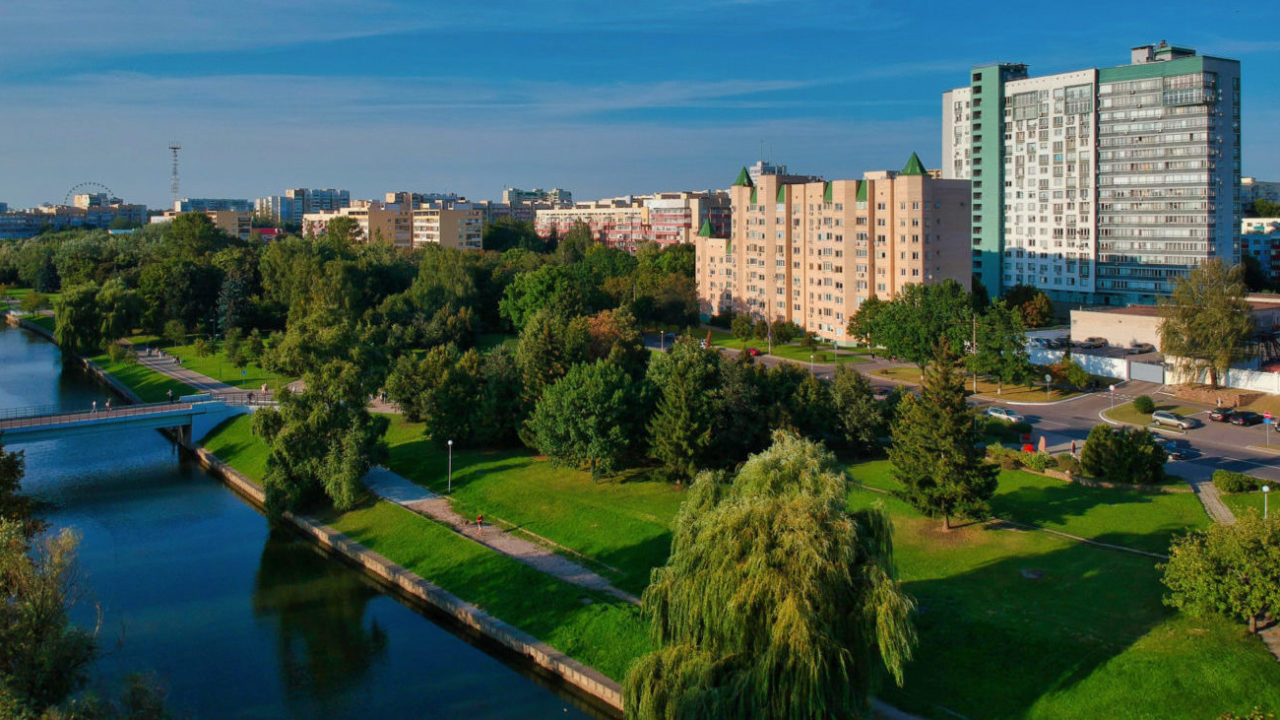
(753, 352)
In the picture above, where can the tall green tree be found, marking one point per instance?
(1032, 303)
(591, 418)
(863, 323)
(680, 431)
(1229, 569)
(322, 440)
(1001, 350)
(776, 601)
(911, 326)
(1206, 320)
(506, 233)
(77, 319)
(935, 453)
(860, 418)
(742, 328)
(549, 345)
(120, 307)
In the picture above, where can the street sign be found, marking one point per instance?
(1266, 420)
(1048, 377)
(1267, 414)
(1111, 388)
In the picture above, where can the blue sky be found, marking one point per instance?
(598, 97)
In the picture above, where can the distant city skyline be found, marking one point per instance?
(470, 99)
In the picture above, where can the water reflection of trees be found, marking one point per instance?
(323, 644)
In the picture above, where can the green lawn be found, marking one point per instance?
(1140, 519)
(1007, 392)
(1127, 413)
(235, 444)
(1240, 503)
(787, 351)
(1024, 624)
(216, 366)
(150, 385)
(621, 522)
(1013, 624)
(45, 321)
(602, 632)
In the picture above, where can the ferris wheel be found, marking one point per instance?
(86, 188)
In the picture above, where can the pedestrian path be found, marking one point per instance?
(1212, 501)
(401, 491)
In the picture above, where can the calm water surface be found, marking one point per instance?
(231, 618)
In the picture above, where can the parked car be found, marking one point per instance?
(1244, 418)
(1005, 414)
(1095, 342)
(1172, 419)
(753, 352)
(1141, 348)
(1221, 414)
(1179, 450)
(880, 392)
(1058, 343)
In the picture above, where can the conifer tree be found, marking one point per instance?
(935, 452)
(680, 432)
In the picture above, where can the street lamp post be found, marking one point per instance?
(451, 467)
(810, 363)
(1266, 490)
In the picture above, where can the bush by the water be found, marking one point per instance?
(1123, 455)
(1144, 405)
(1234, 482)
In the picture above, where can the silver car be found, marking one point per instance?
(1172, 419)
(1004, 414)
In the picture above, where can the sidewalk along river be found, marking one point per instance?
(231, 618)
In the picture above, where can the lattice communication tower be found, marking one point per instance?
(174, 147)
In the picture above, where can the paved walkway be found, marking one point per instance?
(403, 492)
(1212, 501)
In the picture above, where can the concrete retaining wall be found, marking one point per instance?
(585, 679)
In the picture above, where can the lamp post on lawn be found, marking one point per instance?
(1266, 490)
(810, 363)
(450, 467)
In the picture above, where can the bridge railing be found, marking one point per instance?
(254, 398)
(60, 415)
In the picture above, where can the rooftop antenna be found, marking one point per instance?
(174, 147)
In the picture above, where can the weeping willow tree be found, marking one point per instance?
(776, 601)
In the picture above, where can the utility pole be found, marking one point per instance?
(975, 352)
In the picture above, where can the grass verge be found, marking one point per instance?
(1127, 413)
(622, 522)
(216, 366)
(1008, 393)
(150, 385)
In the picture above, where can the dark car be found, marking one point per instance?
(753, 351)
(1179, 450)
(1221, 414)
(1245, 418)
(1141, 348)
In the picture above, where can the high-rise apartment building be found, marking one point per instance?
(1254, 189)
(811, 252)
(289, 208)
(516, 196)
(1099, 185)
(186, 205)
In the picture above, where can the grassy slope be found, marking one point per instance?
(217, 367)
(150, 385)
(622, 522)
(1144, 520)
(604, 633)
(1088, 632)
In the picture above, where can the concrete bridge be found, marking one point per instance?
(192, 415)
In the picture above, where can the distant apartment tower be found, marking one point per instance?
(811, 251)
(516, 196)
(405, 223)
(4, 207)
(289, 208)
(667, 218)
(211, 204)
(1254, 189)
(1099, 185)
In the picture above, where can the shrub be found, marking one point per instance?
(1037, 461)
(1124, 455)
(117, 352)
(721, 321)
(175, 333)
(1144, 405)
(1234, 482)
(1068, 464)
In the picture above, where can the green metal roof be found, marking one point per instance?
(706, 229)
(826, 192)
(782, 193)
(744, 179)
(753, 196)
(862, 191)
(913, 166)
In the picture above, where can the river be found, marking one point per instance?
(190, 586)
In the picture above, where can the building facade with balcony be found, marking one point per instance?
(811, 252)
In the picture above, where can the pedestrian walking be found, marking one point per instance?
(169, 392)
(108, 404)
(250, 398)
(93, 406)
(1073, 448)
(480, 525)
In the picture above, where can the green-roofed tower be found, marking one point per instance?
(862, 191)
(913, 166)
(744, 179)
(705, 231)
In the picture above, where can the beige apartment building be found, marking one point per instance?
(667, 218)
(811, 251)
(236, 223)
(404, 223)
